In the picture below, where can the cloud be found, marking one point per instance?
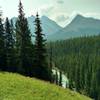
(47, 10)
(54, 13)
(61, 18)
(60, 1)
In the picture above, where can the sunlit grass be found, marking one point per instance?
(17, 87)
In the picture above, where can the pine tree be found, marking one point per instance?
(9, 47)
(23, 44)
(41, 69)
(2, 45)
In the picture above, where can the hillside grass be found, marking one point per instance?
(17, 87)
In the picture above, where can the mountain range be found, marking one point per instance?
(78, 27)
(49, 26)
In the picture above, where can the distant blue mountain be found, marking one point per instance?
(79, 26)
(49, 27)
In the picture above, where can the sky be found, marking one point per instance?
(57, 10)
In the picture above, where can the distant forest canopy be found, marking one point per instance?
(79, 58)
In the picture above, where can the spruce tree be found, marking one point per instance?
(41, 69)
(23, 44)
(9, 47)
(2, 45)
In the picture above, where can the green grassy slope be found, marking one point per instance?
(17, 87)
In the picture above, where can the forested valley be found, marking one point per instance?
(79, 59)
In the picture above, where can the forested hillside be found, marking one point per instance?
(80, 59)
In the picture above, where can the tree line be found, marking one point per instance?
(79, 58)
(18, 53)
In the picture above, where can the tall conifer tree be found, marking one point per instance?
(2, 45)
(9, 46)
(41, 69)
(23, 44)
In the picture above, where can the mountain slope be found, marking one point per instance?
(49, 27)
(79, 26)
(17, 87)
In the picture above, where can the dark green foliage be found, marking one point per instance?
(24, 47)
(41, 69)
(2, 45)
(9, 47)
(80, 59)
(18, 54)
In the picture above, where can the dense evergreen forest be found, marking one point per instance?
(18, 53)
(79, 59)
